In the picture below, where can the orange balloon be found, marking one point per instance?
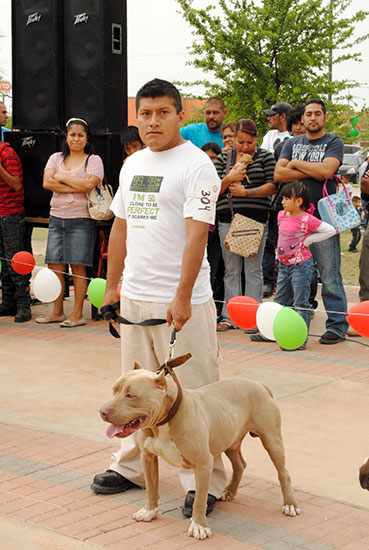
(242, 311)
(358, 318)
(23, 262)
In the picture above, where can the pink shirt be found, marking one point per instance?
(73, 205)
(293, 230)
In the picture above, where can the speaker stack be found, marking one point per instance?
(69, 60)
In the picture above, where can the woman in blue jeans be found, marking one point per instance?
(250, 182)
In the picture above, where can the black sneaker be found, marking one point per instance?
(23, 315)
(330, 337)
(188, 504)
(110, 482)
(7, 310)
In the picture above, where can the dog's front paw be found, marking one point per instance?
(227, 495)
(145, 515)
(198, 531)
(290, 510)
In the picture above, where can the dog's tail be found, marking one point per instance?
(268, 390)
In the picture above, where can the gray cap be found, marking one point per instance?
(278, 109)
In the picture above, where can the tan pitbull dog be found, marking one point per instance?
(189, 428)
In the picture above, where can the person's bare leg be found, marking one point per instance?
(80, 289)
(58, 311)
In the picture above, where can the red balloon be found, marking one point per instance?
(358, 127)
(23, 262)
(242, 311)
(358, 318)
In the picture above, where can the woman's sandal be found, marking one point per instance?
(223, 326)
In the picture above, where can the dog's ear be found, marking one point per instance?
(137, 366)
(160, 381)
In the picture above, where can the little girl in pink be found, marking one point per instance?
(298, 229)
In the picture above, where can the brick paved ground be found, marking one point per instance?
(52, 442)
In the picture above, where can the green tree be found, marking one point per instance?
(259, 52)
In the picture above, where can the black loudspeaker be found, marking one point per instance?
(109, 148)
(95, 63)
(34, 149)
(37, 86)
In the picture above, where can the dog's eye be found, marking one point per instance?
(130, 395)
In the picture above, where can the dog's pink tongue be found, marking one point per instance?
(113, 430)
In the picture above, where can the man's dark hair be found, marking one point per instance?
(211, 146)
(215, 100)
(318, 101)
(129, 135)
(294, 116)
(160, 88)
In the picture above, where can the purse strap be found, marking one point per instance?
(338, 182)
(231, 156)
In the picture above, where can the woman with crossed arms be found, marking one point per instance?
(71, 174)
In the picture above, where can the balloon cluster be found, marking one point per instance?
(46, 285)
(281, 324)
(355, 130)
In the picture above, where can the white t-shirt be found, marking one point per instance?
(272, 138)
(157, 191)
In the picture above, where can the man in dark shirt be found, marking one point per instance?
(313, 158)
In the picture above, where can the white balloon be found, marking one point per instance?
(265, 316)
(46, 285)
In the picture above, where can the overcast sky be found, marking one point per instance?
(158, 38)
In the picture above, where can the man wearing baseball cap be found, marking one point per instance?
(277, 117)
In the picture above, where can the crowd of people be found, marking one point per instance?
(296, 148)
(192, 179)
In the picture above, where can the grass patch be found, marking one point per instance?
(350, 260)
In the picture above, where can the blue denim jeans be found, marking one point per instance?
(327, 255)
(233, 264)
(14, 286)
(293, 287)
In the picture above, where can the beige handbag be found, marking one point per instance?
(244, 234)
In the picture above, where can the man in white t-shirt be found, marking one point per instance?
(277, 118)
(163, 207)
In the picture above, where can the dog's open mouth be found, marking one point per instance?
(123, 430)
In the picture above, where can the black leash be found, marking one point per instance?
(110, 314)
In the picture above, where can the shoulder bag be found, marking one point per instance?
(99, 200)
(244, 234)
(337, 209)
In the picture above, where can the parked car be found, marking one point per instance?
(352, 166)
(350, 149)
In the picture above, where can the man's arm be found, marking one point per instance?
(317, 170)
(284, 174)
(179, 310)
(13, 181)
(117, 252)
(364, 184)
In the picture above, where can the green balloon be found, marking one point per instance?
(290, 330)
(354, 120)
(354, 132)
(96, 291)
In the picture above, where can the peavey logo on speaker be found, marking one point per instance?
(28, 141)
(33, 18)
(81, 18)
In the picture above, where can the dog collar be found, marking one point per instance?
(168, 368)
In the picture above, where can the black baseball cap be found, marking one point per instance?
(278, 109)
